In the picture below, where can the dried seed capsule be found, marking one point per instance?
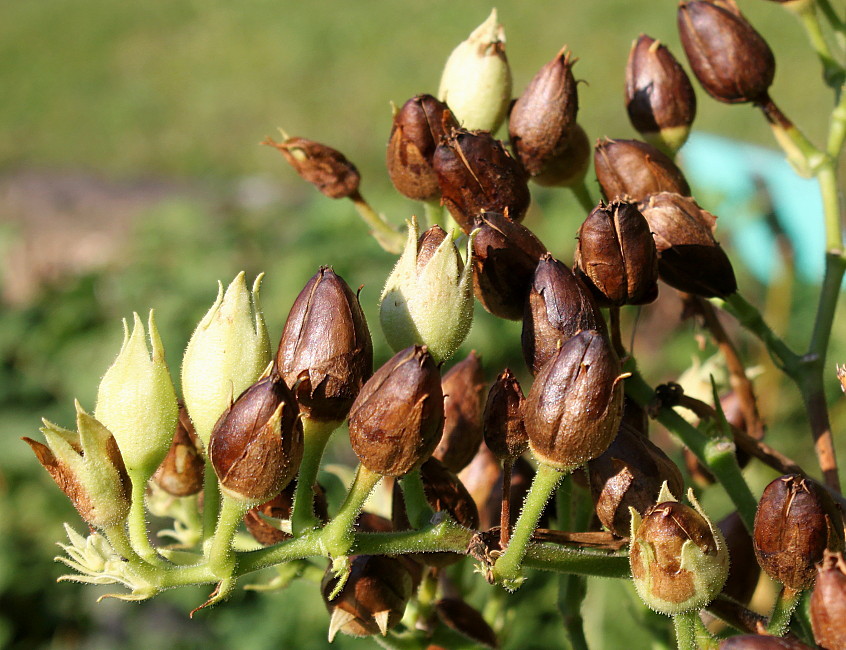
(322, 166)
(181, 471)
(505, 256)
(417, 129)
(257, 444)
(616, 255)
(374, 598)
(325, 351)
(828, 602)
(678, 558)
(731, 60)
(280, 507)
(659, 98)
(744, 571)
(544, 116)
(464, 619)
(398, 417)
(795, 523)
(462, 388)
(567, 168)
(445, 491)
(689, 258)
(761, 642)
(632, 170)
(558, 307)
(629, 474)
(505, 433)
(573, 409)
(476, 174)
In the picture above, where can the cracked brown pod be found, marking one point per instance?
(632, 170)
(257, 444)
(616, 255)
(689, 258)
(476, 174)
(322, 166)
(744, 571)
(397, 419)
(181, 472)
(729, 57)
(558, 307)
(325, 352)
(462, 388)
(828, 602)
(416, 132)
(504, 430)
(659, 97)
(573, 410)
(266, 532)
(795, 523)
(505, 255)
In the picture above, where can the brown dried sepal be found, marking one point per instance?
(322, 166)
(828, 602)
(457, 615)
(744, 571)
(505, 433)
(181, 472)
(462, 388)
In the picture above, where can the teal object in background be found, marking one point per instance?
(741, 183)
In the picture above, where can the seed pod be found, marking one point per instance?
(689, 258)
(732, 61)
(373, 599)
(181, 471)
(795, 523)
(629, 474)
(828, 602)
(505, 433)
(505, 255)
(417, 129)
(632, 170)
(476, 174)
(325, 351)
(397, 419)
(543, 117)
(322, 166)
(573, 409)
(257, 444)
(744, 571)
(462, 388)
(761, 642)
(678, 558)
(616, 255)
(558, 307)
(659, 98)
(464, 619)
(569, 166)
(280, 507)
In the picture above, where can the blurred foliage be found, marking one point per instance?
(186, 90)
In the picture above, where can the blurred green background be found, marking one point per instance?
(131, 178)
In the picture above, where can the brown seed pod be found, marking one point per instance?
(280, 507)
(543, 117)
(462, 387)
(417, 129)
(689, 258)
(505, 256)
(744, 571)
(505, 433)
(795, 523)
(558, 307)
(761, 642)
(397, 419)
(732, 61)
(616, 255)
(828, 602)
(573, 409)
(445, 491)
(322, 166)
(181, 471)
(632, 170)
(457, 615)
(629, 474)
(476, 174)
(325, 351)
(659, 97)
(569, 167)
(257, 444)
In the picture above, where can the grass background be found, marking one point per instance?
(176, 96)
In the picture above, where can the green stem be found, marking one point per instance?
(704, 640)
(445, 536)
(582, 194)
(800, 151)
(506, 570)
(137, 520)
(549, 557)
(211, 501)
(416, 505)
(337, 535)
(834, 20)
(315, 436)
(571, 594)
(827, 179)
(388, 237)
(832, 70)
(782, 611)
(685, 628)
(221, 557)
(119, 541)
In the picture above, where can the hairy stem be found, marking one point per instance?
(315, 437)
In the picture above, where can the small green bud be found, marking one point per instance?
(227, 353)
(476, 81)
(678, 557)
(428, 298)
(136, 400)
(88, 467)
